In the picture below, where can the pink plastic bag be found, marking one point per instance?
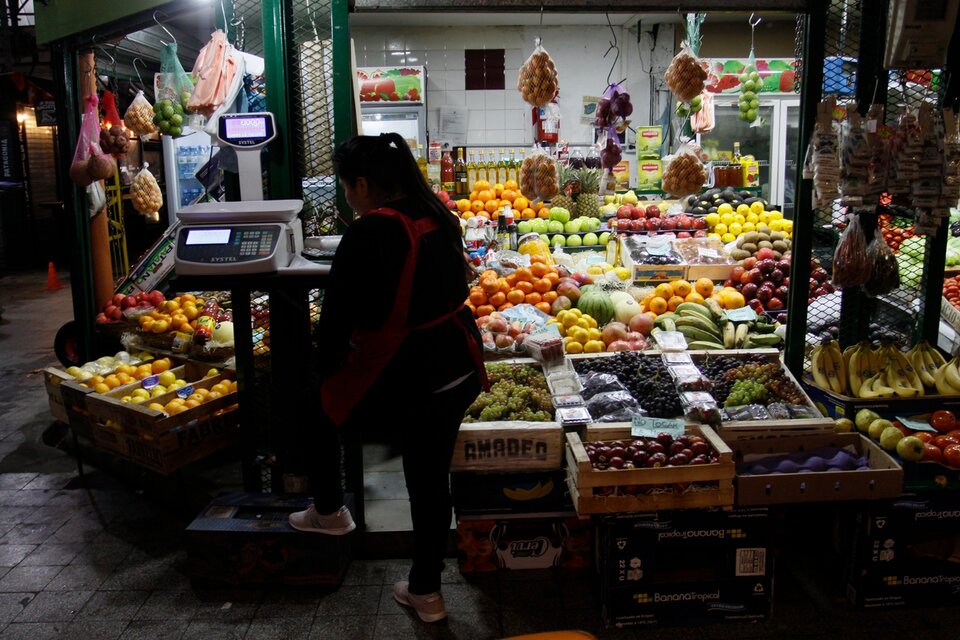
(89, 161)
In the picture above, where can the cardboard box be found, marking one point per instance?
(523, 542)
(649, 141)
(649, 174)
(838, 406)
(906, 552)
(487, 494)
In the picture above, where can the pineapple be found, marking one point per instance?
(588, 202)
(562, 199)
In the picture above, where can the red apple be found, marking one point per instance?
(775, 304)
(756, 305)
(102, 318)
(443, 195)
(117, 299)
(699, 223)
(766, 254)
(625, 212)
(684, 234)
(623, 345)
(613, 332)
(700, 233)
(749, 291)
(685, 222)
(766, 265)
(652, 211)
(128, 302)
(932, 453)
(641, 323)
(582, 279)
(653, 224)
(776, 276)
(755, 275)
(669, 223)
(638, 213)
(749, 263)
(156, 298)
(782, 292)
(568, 290)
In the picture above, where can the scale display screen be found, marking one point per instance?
(246, 128)
(208, 236)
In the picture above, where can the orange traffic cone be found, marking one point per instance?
(53, 282)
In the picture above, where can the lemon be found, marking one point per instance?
(593, 346)
(126, 399)
(736, 229)
(739, 219)
(712, 219)
(743, 209)
(167, 378)
(726, 218)
(724, 208)
(140, 393)
(580, 334)
(713, 235)
(593, 334)
(593, 323)
(776, 225)
(748, 227)
(583, 322)
(764, 217)
(788, 226)
(576, 312)
(728, 237)
(756, 208)
(622, 272)
(720, 229)
(776, 215)
(138, 399)
(574, 347)
(569, 320)
(753, 217)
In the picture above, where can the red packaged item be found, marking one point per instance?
(206, 321)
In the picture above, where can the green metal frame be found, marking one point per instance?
(275, 17)
(343, 91)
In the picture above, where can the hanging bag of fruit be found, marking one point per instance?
(610, 157)
(539, 176)
(145, 194)
(614, 107)
(89, 162)
(686, 76)
(173, 93)
(684, 173)
(750, 85)
(139, 116)
(113, 139)
(538, 81)
(218, 74)
(884, 268)
(851, 264)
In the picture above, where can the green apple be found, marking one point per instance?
(545, 238)
(863, 419)
(574, 241)
(572, 226)
(559, 213)
(608, 209)
(524, 226)
(555, 226)
(843, 425)
(591, 239)
(604, 237)
(910, 448)
(559, 241)
(877, 427)
(890, 437)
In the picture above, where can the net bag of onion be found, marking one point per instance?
(538, 81)
(684, 173)
(539, 176)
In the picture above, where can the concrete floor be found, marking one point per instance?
(104, 558)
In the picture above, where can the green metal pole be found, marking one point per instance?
(935, 259)
(343, 83)
(81, 266)
(276, 49)
(811, 89)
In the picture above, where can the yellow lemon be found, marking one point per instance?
(569, 320)
(743, 209)
(593, 334)
(776, 215)
(727, 237)
(593, 346)
(720, 229)
(712, 219)
(574, 347)
(583, 322)
(726, 218)
(735, 229)
(748, 227)
(753, 218)
(724, 208)
(776, 225)
(756, 208)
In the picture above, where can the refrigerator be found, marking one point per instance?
(183, 158)
(393, 100)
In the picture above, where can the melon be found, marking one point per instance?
(624, 310)
(595, 302)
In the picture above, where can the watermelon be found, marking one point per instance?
(595, 302)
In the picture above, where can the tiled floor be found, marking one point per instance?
(105, 560)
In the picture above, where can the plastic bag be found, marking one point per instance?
(703, 116)
(614, 107)
(539, 176)
(113, 139)
(110, 114)
(538, 82)
(139, 116)
(750, 85)
(96, 198)
(684, 174)
(89, 162)
(686, 76)
(614, 406)
(612, 153)
(851, 265)
(884, 268)
(219, 76)
(174, 91)
(594, 383)
(145, 194)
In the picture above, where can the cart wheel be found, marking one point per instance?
(66, 347)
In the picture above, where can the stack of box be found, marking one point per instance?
(649, 164)
(906, 552)
(685, 567)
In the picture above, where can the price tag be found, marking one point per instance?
(658, 249)
(708, 252)
(670, 340)
(743, 314)
(150, 382)
(547, 330)
(917, 423)
(185, 392)
(646, 427)
(673, 358)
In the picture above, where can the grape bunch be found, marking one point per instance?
(516, 393)
(746, 392)
(645, 377)
(725, 371)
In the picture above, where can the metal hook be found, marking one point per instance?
(540, 28)
(137, 71)
(753, 26)
(162, 26)
(613, 47)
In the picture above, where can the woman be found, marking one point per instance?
(399, 348)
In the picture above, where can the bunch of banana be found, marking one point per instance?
(861, 366)
(900, 374)
(829, 367)
(875, 387)
(699, 327)
(947, 378)
(926, 360)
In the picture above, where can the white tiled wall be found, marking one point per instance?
(501, 117)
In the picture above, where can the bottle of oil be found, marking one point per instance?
(503, 168)
(471, 172)
(513, 167)
(422, 163)
(493, 174)
(460, 174)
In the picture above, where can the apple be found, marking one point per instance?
(749, 263)
(890, 437)
(863, 419)
(766, 266)
(766, 253)
(128, 302)
(156, 298)
(684, 234)
(554, 226)
(910, 448)
(844, 425)
(700, 233)
(877, 427)
(668, 224)
(756, 305)
(638, 213)
(775, 304)
(782, 292)
(699, 223)
(658, 459)
(653, 224)
(749, 291)
(943, 421)
(755, 275)
(574, 241)
(819, 274)
(613, 332)
(604, 238)
(118, 299)
(573, 226)
(685, 222)
(764, 293)
(641, 323)
(813, 284)
(582, 279)
(524, 226)
(625, 212)
(102, 318)
(591, 239)
(617, 345)
(652, 211)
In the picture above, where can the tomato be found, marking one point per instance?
(951, 455)
(943, 421)
(932, 453)
(924, 436)
(945, 441)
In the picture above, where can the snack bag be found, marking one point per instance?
(685, 173)
(686, 77)
(539, 176)
(538, 82)
(750, 85)
(89, 161)
(139, 116)
(145, 194)
(884, 268)
(175, 89)
(851, 265)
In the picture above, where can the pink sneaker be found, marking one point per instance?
(338, 523)
(429, 607)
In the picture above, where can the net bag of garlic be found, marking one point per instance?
(539, 176)
(139, 116)
(686, 77)
(684, 173)
(145, 194)
(538, 82)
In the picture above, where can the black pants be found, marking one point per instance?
(427, 426)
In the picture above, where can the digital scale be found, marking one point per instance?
(253, 235)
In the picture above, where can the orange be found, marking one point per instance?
(681, 288)
(483, 214)
(466, 215)
(508, 195)
(658, 305)
(473, 195)
(524, 274)
(664, 291)
(536, 206)
(190, 403)
(704, 286)
(477, 298)
(491, 206)
(510, 184)
(733, 300)
(550, 296)
(535, 258)
(525, 287)
(484, 310)
(101, 388)
(553, 277)
(512, 279)
(543, 306)
(542, 285)
(543, 212)
(489, 285)
(505, 306)
(498, 189)
(489, 273)
(480, 185)
(463, 204)
(124, 377)
(520, 203)
(674, 302)
(484, 196)
(538, 269)
(476, 206)
(188, 297)
(533, 298)
(160, 365)
(694, 297)
(528, 213)
(213, 395)
(220, 388)
(515, 296)
(504, 285)
(497, 299)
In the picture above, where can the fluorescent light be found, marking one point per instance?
(399, 53)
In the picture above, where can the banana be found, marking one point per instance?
(819, 368)
(848, 353)
(854, 375)
(899, 382)
(952, 375)
(874, 388)
(668, 324)
(904, 369)
(765, 339)
(703, 345)
(940, 381)
(693, 307)
(840, 365)
(697, 321)
(924, 363)
(831, 366)
(741, 334)
(935, 356)
(879, 359)
(695, 333)
(729, 336)
(719, 315)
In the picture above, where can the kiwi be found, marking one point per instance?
(764, 237)
(780, 245)
(777, 235)
(740, 254)
(751, 247)
(763, 228)
(751, 236)
(777, 254)
(765, 244)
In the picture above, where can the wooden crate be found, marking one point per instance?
(883, 480)
(190, 371)
(508, 446)
(52, 377)
(75, 403)
(582, 479)
(139, 419)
